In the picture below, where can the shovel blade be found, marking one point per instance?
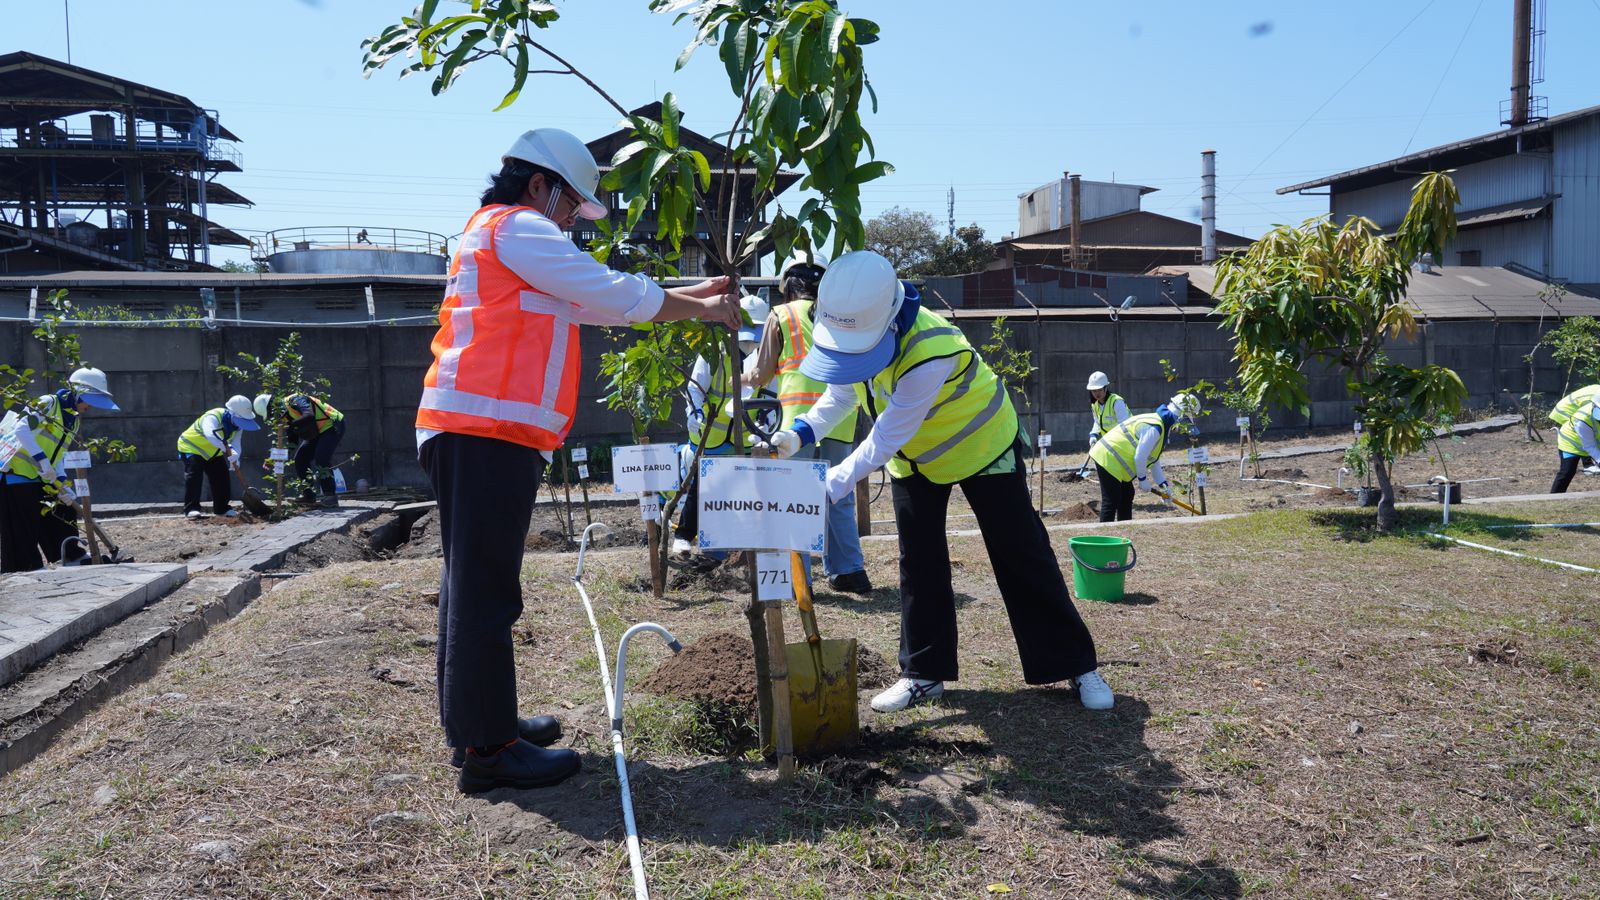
(822, 696)
(255, 504)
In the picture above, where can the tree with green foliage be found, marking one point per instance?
(1575, 346)
(907, 238)
(1331, 295)
(966, 251)
(281, 375)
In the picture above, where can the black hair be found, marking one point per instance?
(800, 282)
(508, 185)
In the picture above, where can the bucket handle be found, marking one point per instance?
(1133, 560)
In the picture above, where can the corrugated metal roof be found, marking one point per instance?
(1502, 213)
(1445, 154)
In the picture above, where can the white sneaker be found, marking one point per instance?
(195, 514)
(906, 692)
(1094, 692)
(681, 548)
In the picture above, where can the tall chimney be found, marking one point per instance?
(1208, 206)
(1521, 39)
(1076, 191)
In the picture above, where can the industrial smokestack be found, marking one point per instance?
(1076, 191)
(1208, 206)
(1521, 60)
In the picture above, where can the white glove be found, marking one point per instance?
(233, 458)
(784, 443)
(47, 472)
(1163, 489)
(1094, 439)
(65, 493)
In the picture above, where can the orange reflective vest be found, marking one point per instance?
(505, 359)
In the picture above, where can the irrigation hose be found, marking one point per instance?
(1552, 562)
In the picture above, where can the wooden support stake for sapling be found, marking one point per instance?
(566, 486)
(80, 478)
(652, 532)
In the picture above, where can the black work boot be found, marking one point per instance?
(851, 582)
(541, 731)
(518, 765)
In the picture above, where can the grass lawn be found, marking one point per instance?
(1303, 709)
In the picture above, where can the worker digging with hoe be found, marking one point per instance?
(1131, 453)
(785, 342)
(209, 450)
(36, 512)
(317, 428)
(1108, 409)
(499, 397)
(940, 418)
(1578, 414)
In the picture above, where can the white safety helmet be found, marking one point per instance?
(1187, 406)
(757, 309)
(90, 385)
(1098, 381)
(262, 405)
(564, 154)
(856, 302)
(240, 408)
(802, 258)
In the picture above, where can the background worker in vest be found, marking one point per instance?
(1116, 495)
(940, 418)
(501, 393)
(317, 427)
(209, 448)
(783, 346)
(1130, 453)
(32, 443)
(710, 395)
(1578, 413)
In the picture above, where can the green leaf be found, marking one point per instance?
(834, 24)
(868, 171)
(669, 120)
(520, 78)
(702, 167)
(627, 151)
(866, 31)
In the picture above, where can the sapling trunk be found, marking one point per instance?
(1388, 516)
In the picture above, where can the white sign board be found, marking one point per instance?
(1199, 454)
(75, 459)
(278, 454)
(773, 577)
(1044, 439)
(1242, 421)
(1356, 426)
(583, 471)
(277, 467)
(1199, 479)
(763, 504)
(649, 507)
(580, 454)
(80, 486)
(645, 467)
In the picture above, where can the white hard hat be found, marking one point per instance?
(1098, 380)
(90, 385)
(262, 405)
(857, 299)
(562, 153)
(802, 257)
(1185, 405)
(244, 415)
(757, 309)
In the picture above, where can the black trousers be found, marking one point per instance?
(1052, 641)
(29, 534)
(485, 489)
(214, 470)
(1569, 468)
(319, 451)
(1116, 497)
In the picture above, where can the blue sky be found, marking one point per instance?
(992, 99)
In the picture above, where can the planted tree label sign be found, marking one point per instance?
(1044, 439)
(1199, 454)
(580, 454)
(75, 459)
(1242, 422)
(583, 471)
(649, 507)
(644, 467)
(763, 504)
(277, 467)
(773, 578)
(80, 486)
(278, 454)
(1199, 479)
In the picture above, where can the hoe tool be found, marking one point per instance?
(1170, 498)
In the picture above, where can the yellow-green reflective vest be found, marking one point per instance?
(51, 432)
(716, 407)
(1582, 398)
(971, 423)
(1567, 440)
(193, 440)
(796, 392)
(324, 411)
(1116, 448)
(1105, 414)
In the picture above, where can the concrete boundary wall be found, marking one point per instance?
(165, 377)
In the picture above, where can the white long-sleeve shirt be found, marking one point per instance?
(1586, 437)
(21, 432)
(1143, 464)
(700, 383)
(897, 422)
(211, 430)
(1119, 409)
(542, 255)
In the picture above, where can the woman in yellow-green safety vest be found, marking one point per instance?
(1108, 410)
(1130, 453)
(784, 345)
(209, 448)
(317, 428)
(1578, 414)
(36, 516)
(941, 418)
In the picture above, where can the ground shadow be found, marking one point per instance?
(880, 600)
(1129, 599)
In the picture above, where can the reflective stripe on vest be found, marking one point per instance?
(1568, 439)
(506, 358)
(52, 434)
(1105, 414)
(193, 440)
(1571, 403)
(324, 412)
(974, 422)
(796, 392)
(1118, 448)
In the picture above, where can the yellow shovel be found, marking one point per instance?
(822, 679)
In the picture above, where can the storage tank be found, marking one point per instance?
(353, 250)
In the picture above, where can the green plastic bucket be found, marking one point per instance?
(1099, 564)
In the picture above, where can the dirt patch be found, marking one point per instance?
(1078, 512)
(425, 541)
(719, 668)
(1287, 472)
(175, 538)
(549, 540)
(873, 672)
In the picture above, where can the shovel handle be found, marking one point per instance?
(798, 576)
(1177, 501)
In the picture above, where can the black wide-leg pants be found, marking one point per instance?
(1053, 643)
(485, 488)
(1116, 497)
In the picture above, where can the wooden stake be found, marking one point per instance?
(863, 507)
(778, 669)
(652, 535)
(86, 512)
(566, 486)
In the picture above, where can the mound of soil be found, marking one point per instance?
(873, 672)
(1291, 473)
(1079, 512)
(720, 670)
(549, 540)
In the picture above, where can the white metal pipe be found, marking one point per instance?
(1551, 562)
(1561, 525)
(1208, 207)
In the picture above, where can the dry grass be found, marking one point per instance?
(1298, 715)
